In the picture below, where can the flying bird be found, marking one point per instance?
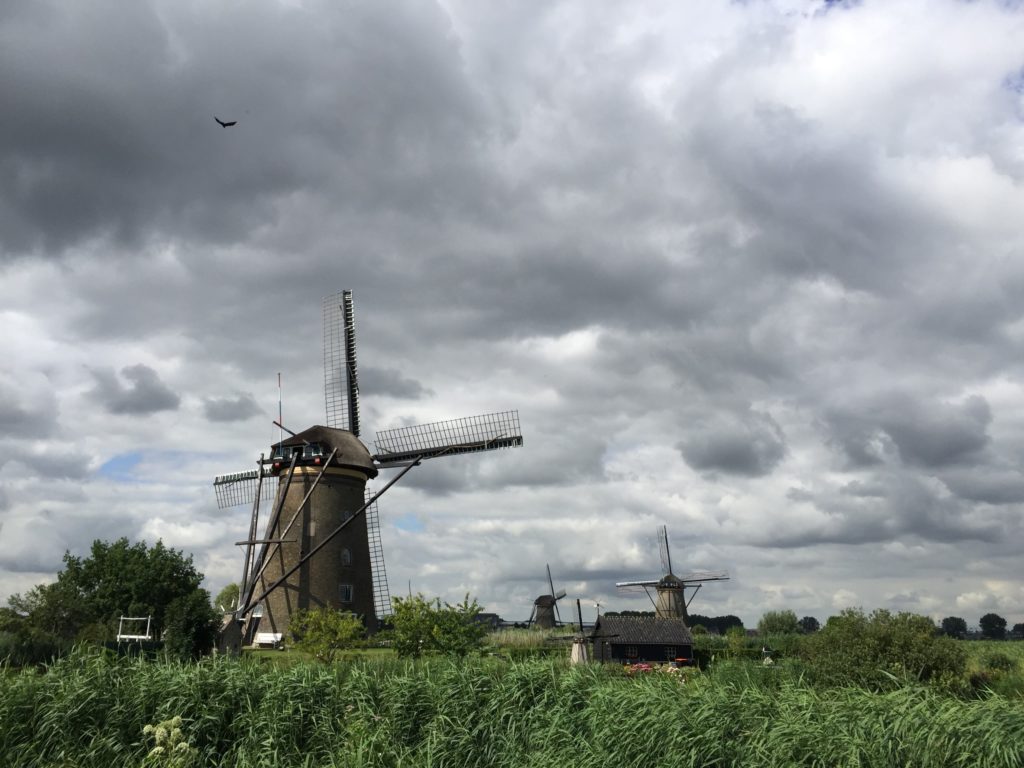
(222, 124)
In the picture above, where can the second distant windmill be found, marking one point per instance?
(545, 607)
(669, 597)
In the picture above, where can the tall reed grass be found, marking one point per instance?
(90, 710)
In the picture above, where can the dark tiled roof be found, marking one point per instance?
(639, 630)
(351, 452)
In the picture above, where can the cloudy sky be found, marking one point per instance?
(750, 270)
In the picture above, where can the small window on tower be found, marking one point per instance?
(312, 528)
(346, 556)
(346, 593)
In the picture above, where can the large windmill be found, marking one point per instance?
(670, 589)
(545, 607)
(321, 546)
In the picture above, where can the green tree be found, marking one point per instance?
(870, 650)
(993, 626)
(778, 623)
(324, 632)
(191, 625)
(421, 626)
(736, 637)
(954, 626)
(809, 624)
(52, 609)
(226, 600)
(1017, 633)
(115, 579)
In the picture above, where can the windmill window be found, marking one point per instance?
(346, 556)
(312, 528)
(346, 593)
(257, 612)
(631, 652)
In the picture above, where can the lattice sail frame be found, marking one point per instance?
(240, 488)
(381, 594)
(467, 435)
(341, 380)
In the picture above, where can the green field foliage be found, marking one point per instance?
(91, 709)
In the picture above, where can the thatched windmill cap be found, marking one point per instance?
(352, 454)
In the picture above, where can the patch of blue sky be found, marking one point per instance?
(122, 468)
(409, 523)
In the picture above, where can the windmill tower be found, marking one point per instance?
(545, 607)
(580, 645)
(670, 590)
(321, 546)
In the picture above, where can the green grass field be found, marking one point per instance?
(90, 710)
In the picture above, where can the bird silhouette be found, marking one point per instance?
(222, 124)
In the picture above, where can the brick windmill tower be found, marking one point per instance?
(321, 544)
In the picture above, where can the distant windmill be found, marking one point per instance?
(671, 589)
(321, 546)
(545, 607)
(580, 642)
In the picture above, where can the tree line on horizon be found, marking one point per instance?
(991, 626)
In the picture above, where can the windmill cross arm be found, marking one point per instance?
(644, 583)
(705, 576)
(391, 458)
(235, 477)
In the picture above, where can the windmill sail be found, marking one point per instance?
(381, 594)
(341, 379)
(467, 435)
(239, 488)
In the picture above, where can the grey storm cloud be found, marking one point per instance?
(226, 409)
(55, 464)
(72, 179)
(390, 382)
(989, 485)
(27, 408)
(921, 431)
(145, 394)
(751, 445)
(908, 508)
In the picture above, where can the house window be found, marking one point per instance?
(346, 593)
(631, 652)
(670, 653)
(346, 556)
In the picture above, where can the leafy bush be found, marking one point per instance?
(778, 623)
(421, 626)
(881, 650)
(28, 646)
(999, 662)
(191, 626)
(324, 632)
